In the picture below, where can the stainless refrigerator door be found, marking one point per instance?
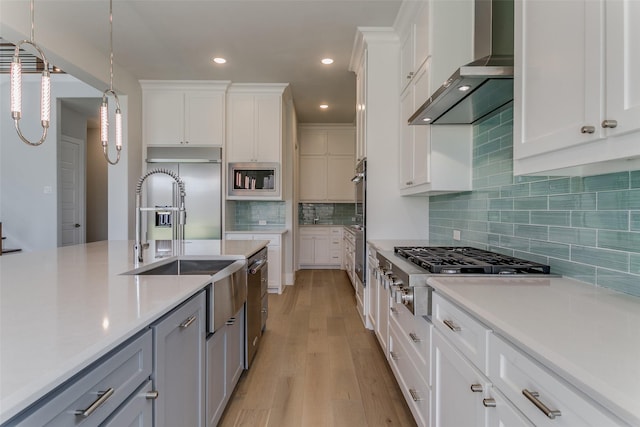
(202, 200)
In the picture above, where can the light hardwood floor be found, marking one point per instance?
(317, 364)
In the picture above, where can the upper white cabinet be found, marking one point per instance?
(327, 163)
(183, 112)
(436, 39)
(576, 95)
(255, 122)
(361, 102)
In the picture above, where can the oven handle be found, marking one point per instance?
(257, 266)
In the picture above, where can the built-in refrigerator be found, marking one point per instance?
(200, 168)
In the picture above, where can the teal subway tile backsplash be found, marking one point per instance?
(247, 214)
(587, 228)
(326, 213)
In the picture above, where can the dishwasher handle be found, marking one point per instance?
(257, 266)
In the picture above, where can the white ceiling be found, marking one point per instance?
(263, 40)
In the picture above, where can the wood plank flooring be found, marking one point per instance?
(317, 364)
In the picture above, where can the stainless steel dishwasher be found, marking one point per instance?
(257, 308)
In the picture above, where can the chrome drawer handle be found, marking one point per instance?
(414, 337)
(393, 355)
(152, 395)
(476, 388)
(394, 310)
(452, 326)
(489, 403)
(533, 398)
(609, 124)
(587, 129)
(103, 396)
(414, 395)
(188, 322)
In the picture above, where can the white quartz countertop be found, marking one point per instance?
(62, 309)
(260, 230)
(588, 335)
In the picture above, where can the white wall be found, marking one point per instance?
(90, 66)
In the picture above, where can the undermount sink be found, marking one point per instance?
(182, 267)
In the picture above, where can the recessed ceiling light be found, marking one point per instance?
(464, 88)
(324, 106)
(327, 61)
(426, 119)
(219, 60)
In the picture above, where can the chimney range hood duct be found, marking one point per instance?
(477, 89)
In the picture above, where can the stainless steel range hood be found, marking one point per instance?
(477, 89)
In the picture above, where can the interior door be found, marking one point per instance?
(71, 195)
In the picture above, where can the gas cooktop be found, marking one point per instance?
(467, 260)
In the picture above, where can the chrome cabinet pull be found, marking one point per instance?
(393, 355)
(394, 310)
(414, 337)
(533, 398)
(476, 388)
(489, 403)
(188, 322)
(414, 395)
(103, 396)
(609, 124)
(152, 395)
(587, 129)
(452, 326)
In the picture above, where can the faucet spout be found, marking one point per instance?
(180, 209)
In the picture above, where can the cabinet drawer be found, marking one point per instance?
(513, 372)
(111, 382)
(415, 389)
(467, 334)
(415, 334)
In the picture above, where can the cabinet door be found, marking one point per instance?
(307, 250)
(322, 250)
(274, 253)
(241, 130)
(557, 89)
(421, 90)
(179, 365)
(340, 170)
(501, 413)
(361, 114)
(384, 306)
(268, 126)
(341, 142)
(406, 57)
(454, 403)
(216, 394)
(313, 178)
(204, 118)
(137, 412)
(406, 140)
(313, 142)
(623, 65)
(235, 349)
(163, 119)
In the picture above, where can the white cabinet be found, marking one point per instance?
(274, 255)
(97, 393)
(179, 365)
(433, 159)
(255, 122)
(361, 102)
(372, 311)
(183, 112)
(580, 115)
(225, 362)
(320, 247)
(327, 163)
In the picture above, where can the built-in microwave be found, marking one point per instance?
(253, 180)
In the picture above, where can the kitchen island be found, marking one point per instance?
(65, 308)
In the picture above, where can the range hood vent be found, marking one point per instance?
(479, 88)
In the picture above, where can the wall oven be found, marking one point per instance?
(253, 180)
(360, 180)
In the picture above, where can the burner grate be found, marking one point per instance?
(467, 260)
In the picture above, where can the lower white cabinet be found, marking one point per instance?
(371, 290)
(179, 356)
(348, 257)
(274, 255)
(96, 394)
(320, 247)
(225, 362)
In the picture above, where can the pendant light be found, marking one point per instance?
(104, 107)
(16, 89)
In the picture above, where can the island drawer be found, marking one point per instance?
(94, 394)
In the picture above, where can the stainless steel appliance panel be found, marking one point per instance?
(257, 271)
(202, 201)
(360, 180)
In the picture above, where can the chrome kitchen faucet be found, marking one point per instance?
(182, 214)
